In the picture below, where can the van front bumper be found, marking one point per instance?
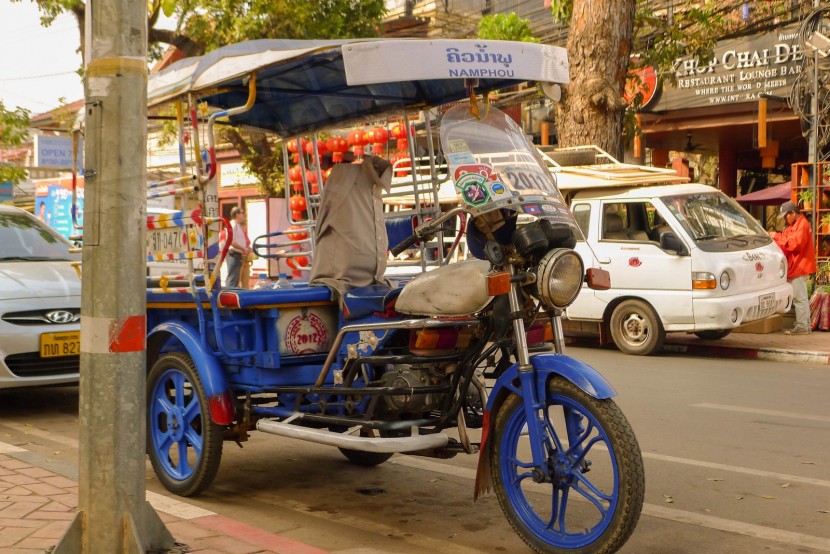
(727, 312)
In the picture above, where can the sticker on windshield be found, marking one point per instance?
(461, 158)
(458, 145)
(498, 189)
(484, 170)
(532, 209)
(473, 189)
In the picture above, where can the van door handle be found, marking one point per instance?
(604, 260)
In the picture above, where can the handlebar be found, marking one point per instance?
(425, 230)
(407, 242)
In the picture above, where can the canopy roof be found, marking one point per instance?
(308, 85)
(770, 196)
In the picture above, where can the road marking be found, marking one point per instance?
(738, 527)
(774, 413)
(654, 510)
(176, 507)
(10, 448)
(737, 469)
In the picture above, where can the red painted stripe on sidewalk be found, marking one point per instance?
(255, 536)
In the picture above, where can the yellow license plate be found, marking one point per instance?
(53, 345)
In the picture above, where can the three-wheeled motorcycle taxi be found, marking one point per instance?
(348, 360)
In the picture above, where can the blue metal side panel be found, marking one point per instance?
(576, 371)
(210, 372)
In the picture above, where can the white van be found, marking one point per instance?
(682, 257)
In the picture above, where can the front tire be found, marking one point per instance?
(535, 500)
(185, 446)
(636, 329)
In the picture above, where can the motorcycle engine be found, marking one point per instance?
(414, 376)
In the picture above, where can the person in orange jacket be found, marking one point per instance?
(796, 241)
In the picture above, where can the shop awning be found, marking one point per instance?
(770, 196)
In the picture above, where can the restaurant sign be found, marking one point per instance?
(739, 70)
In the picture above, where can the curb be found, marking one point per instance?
(749, 353)
(185, 512)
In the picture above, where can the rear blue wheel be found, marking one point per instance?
(587, 495)
(185, 446)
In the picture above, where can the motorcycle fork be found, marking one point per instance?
(533, 405)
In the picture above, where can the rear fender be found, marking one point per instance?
(210, 371)
(545, 367)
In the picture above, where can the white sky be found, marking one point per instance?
(37, 64)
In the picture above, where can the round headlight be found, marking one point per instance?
(724, 280)
(559, 277)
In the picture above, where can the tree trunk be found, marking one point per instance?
(599, 45)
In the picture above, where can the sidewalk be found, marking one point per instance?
(809, 349)
(38, 501)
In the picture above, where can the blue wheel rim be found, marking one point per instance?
(176, 425)
(567, 480)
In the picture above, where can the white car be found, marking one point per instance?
(40, 303)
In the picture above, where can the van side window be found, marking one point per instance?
(630, 221)
(615, 221)
(582, 214)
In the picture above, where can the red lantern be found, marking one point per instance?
(298, 203)
(379, 137)
(322, 150)
(296, 216)
(310, 176)
(401, 163)
(402, 144)
(338, 145)
(358, 141)
(297, 262)
(299, 234)
(398, 130)
(295, 146)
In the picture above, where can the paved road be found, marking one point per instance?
(737, 456)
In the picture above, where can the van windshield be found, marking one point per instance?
(26, 239)
(712, 216)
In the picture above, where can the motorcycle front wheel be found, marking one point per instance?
(587, 495)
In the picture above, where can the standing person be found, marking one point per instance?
(240, 247)
(796, 240)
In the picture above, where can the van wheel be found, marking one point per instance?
(713, 335)
(636, 329)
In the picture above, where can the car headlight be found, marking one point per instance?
(559, 277)
(725, 280)
(782, 268)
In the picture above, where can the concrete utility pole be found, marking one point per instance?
(114, 515)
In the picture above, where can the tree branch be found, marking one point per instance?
(180, 41)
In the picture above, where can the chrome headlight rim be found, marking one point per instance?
(556, 289)
(725, 280)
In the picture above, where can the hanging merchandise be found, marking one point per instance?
(358, 141)
(295, 146)
(378, 137)
(337, 145)
(295, 175)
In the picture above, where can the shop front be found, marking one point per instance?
(719, 108)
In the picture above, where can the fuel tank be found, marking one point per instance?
(452, 290)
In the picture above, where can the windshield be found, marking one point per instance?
(494, 166)
(23, 238)
(712, 216)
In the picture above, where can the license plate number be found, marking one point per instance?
(767, 302)
(166, 241)
(53, 345)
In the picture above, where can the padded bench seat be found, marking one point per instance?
(241, 298)
(365, 301)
